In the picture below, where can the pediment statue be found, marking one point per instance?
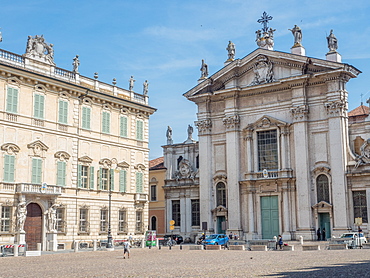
(263, 70)
(364, 158)
(39, 49)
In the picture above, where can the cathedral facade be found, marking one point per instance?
(277, 154)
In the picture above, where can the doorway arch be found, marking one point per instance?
(33, 226)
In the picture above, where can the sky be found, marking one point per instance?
(165, 41)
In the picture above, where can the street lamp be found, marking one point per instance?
(109, 245)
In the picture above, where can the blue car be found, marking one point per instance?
(216, 239)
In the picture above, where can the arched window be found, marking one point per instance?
(153, 222)
(221, 194)
(322, 187)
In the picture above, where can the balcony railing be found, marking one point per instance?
(41, 189)
(269, 174)
(139, 197)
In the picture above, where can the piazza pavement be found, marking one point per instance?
(155, 262)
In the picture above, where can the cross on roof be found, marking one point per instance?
(264, 20)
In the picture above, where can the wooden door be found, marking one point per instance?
(33, 226)
(270, 216)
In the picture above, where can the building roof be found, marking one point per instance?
(157, 164)
(359, 111)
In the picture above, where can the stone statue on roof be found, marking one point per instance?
(204, 70)
(145, 87)
(230, 51)
(38, 49)
(169, 135)
(75, 64)
(332, 42)
(131, 83)
(297, 34)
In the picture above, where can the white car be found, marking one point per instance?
(354, 239)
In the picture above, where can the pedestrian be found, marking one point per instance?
(318, 234)
(126, 249)
(231, 235)
(323, 234)
(280, 241)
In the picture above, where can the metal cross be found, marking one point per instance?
(264, 20)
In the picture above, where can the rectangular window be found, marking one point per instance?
(106, 122)
(36, 170)
(60, 220)
(267, 150)
(195, 213)
(83, 227)
(61, 173)
(153, 193)
(9, 168)
(123, 126)
(360, 205)
(104, 178)
(103, 220)
(176, 212)
(122, 180)
(5, 219)
(12, 100)
(122, 225)
(139, 222)
(63, 112)
(139, 182)
(39, 106)
(86, 117)
(139, 130)
(85, 176)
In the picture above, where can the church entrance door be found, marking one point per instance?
(221, 224)
(270, 216)
(33, 226)
(324, 223)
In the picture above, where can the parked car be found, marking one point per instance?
(354, 239)
(216, 239)
(178, 238)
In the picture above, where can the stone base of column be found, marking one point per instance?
(334, 57)
(299, 50)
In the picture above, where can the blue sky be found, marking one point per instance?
(164, 42)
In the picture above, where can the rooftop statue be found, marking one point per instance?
(145, 87)
(332, 42)
(75, 64)
(131, 83)
(169, 135)
(38, 49)
(230, 51)
(265, 37)
(204, 70)
(297, 33)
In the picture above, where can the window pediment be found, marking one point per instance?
(105, 162)
(140, 166)
(62, 155)
(37, 147)
(123, 164)
(10, 148)
(85, 159)
(266, 122)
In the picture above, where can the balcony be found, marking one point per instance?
(139, 197)
(269, 174)
(38, 189)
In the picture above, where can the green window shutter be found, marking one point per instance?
(123, 126)
(39, 106)
(139, 182)
(63, 111)
(122, 181)
(139, 130)
(61, 173)
(36, 170)
(92, 177)
(86, 115)
(12, 100)
(9, 168)
(106, 122)
(79, 174)
(100, 178)
(111, 179)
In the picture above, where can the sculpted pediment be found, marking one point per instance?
(267, 122)
(267, 68)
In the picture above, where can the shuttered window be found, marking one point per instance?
(9, 168)
(139, 130)
(36, 170)
(123, 126)
(39, 106)
(63, 112)
(61, 173)
(139, 182)
(122, 180)
(86, 117)
(12, 100)
(106, 122)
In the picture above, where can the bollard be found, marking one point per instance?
(150, 246)
(38, 246)
(95, 245)
(76, 246)
(301, 239)
(170, 247)
(180, 246)
(159, 247)
(15, 250)
(143, 243)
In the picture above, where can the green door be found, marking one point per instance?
(221, 223)
(324, 222)
(270, 216)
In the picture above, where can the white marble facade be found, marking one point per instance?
(273, 131)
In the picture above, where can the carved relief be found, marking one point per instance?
(38, 48)
(10, 148)
(263, 70)
(232, 121)
(62, 155)
(364, 158)
(185, 171)
(299, 112)
(38, 147)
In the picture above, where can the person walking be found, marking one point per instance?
(280, 242)
(126, 249)
(323, 234)
(318, 234)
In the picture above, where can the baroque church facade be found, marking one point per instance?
(277, 153)
(74, 153)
